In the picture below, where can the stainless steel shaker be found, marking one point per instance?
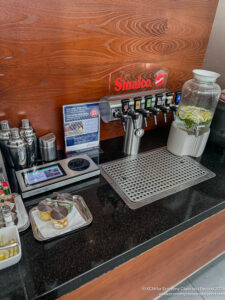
(28, 133)
(17, 147)
(4, 138)
(47, 144)
(31, 149)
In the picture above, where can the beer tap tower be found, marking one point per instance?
(134, 109)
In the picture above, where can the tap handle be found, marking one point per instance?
(169, 98)
(163, 104)
(135, 113)
(137, 103)
(177, 97)
(174, 106)
(159, 101)
(148, 105)
(137, 107)
(125, 106)
(160, 105)
(148, 102)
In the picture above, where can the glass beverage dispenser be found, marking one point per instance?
(190, 130)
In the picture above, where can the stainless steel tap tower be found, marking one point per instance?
(133, 111)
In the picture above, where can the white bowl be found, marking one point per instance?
(9, 233)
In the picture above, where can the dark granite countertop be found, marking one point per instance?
(48, 270)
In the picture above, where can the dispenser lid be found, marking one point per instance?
(205, 76)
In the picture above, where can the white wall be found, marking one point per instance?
(215, 53)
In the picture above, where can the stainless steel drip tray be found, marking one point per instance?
(153, 175)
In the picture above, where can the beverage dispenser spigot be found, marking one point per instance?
(174, 107)
(143, 111)
(134, 130)
(122, 113)
(134, 114)
(119, 115)
(125, 104)
(133, 111)
(169, 99)
(160, 103)
(150, 106)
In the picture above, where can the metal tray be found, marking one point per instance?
(80, 206)
(23, 219)
(153, 175)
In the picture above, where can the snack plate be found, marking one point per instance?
(79, 205)
(23, 220)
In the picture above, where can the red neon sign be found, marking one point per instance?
(121, 85)
(137, 76)
(159, 79)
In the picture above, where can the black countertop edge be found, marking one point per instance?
(126, 256)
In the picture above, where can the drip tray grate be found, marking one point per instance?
(153, 175)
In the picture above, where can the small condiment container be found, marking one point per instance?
(45, 211)
(7, 215)
(59, 217)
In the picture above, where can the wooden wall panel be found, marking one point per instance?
(57, 52)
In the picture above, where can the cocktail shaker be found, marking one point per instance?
(31, 149)
(47, 145)
(17, 148)
(28, 133)
(4, 137)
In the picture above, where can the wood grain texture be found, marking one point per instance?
(56, 52)
(163, 266)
